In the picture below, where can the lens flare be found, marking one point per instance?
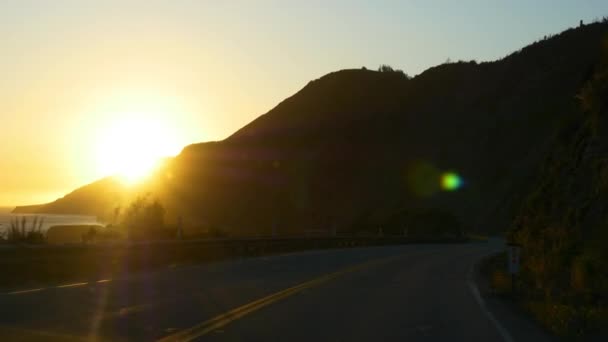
(451, 181)
(422, 179)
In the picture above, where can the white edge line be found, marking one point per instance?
(57, 287)
(70, 285)
(475, 291)
(25, 291)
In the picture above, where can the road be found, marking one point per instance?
(396, 293)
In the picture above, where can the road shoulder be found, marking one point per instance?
(520, 326)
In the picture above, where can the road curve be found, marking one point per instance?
(395, 293)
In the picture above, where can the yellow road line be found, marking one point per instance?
(237, 313)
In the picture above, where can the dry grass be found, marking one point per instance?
(570, 319)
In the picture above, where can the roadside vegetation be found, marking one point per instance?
(21, 230)
(144, 219)
(563, 224)
(139, 239)
(416, 223)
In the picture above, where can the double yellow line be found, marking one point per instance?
(237, 313)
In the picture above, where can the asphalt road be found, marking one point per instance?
(397, 293)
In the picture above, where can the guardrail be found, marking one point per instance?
(48, 263)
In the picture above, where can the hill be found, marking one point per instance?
(96, 199)
(562, 224)
(357, 149)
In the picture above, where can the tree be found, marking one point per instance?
(116, 214)
(389, 69)
(145, 219)
(385, 68)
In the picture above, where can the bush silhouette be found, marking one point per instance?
(145, 220)
(389, 69)
(18, 232)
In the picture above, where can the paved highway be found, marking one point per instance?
(396, 293)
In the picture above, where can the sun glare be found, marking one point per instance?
(131, 147)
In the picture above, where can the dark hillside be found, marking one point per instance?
(563, 223)
(356, 148)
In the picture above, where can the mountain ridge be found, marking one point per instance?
(348, 149)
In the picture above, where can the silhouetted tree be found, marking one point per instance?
(116, 214)
(90, 235)
(145, 219)
(385, 68)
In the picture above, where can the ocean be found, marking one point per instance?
(49, 220)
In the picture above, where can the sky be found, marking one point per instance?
(75, 75)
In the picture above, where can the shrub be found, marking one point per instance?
(145, 220)
(19, 232)
(389, 69)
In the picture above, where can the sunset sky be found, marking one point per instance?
(78, 76)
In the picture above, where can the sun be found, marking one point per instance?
(131, 147)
